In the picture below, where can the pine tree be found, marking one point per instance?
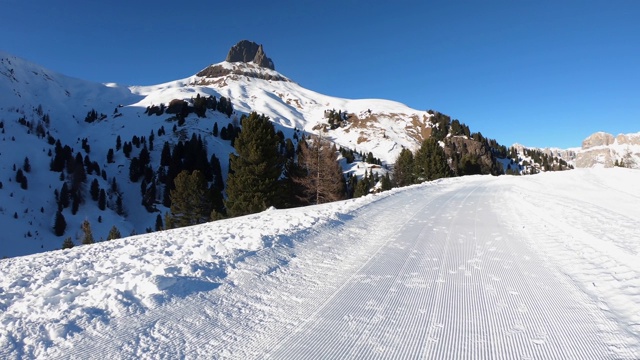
(21, 179)
(75, 203)
(134, 170)
(430, 162)
(385, 183)
(114, 233)
(190, 203)
(88, 235)
(159, 225)
(60, 225)
(64, 196)
(363, 186)
(165, 155)
(119, 206)
(94, 190)
(67, 243)
(252, 185)
(102, 200)
(403, 168)
(26, 166)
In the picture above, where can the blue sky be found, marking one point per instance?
(541, 73)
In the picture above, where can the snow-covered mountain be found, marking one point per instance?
(549, 262)
(599, 150)
(604, 150)
(44, 113)
(39, 107)
(370, 125)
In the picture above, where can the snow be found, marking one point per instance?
(25, 86)
(290, 106)
(536, 267)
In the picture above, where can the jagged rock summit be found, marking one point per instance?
(245, 58)
(248, 51)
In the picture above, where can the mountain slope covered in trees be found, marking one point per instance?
(82, 158)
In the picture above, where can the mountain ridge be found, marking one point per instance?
(44, 113)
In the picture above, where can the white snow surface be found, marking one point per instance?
(29, 91)
(536, 267)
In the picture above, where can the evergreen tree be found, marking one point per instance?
(430, 162)
(215, 129)
(159, 225)
(67, 243)
(102, 200)
(60, 225)
(403, 169)
(165, 155)
(363, 186)
(114, 233)
(23, 181)
(385, 183)
(119, 206)
(64, 196)
(75, 203)
(217, 173)
(252, 185)
(110, 156)
(19, 176)
(26, 166)
(469, 165)
(190, 203)
(134, 170)
(88, 235)
(94, 190)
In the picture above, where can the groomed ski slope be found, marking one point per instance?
(535, 267)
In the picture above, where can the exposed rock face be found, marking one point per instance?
(248, 51)
(243, 69)
(602, 149)
(628, 139)
(597, 139)
(245, 58)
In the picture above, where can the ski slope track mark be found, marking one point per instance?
(468, 268)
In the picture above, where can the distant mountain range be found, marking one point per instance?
(599, 150)
(104, 126)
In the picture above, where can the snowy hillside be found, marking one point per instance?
(40, 108)
(475, 267)
(383, 127)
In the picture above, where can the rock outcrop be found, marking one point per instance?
(603, 149)
(248, 51)
(245, 58)
(597, 139)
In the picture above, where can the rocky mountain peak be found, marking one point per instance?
(597, 139)
(248, 51)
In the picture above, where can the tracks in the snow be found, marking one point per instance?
(457, 271)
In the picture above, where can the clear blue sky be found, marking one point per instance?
(538, 72)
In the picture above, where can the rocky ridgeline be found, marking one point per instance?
(247, 59)
(248, 51)
(603, 149)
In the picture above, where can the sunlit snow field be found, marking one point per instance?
(533, 267)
